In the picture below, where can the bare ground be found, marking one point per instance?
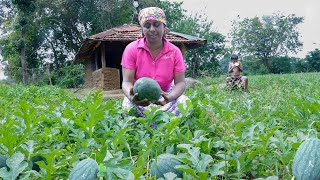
(112, 94)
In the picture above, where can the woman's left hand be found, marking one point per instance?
(163, 101)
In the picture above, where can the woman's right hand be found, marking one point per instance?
(135, 100)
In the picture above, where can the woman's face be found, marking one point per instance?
(153, 31)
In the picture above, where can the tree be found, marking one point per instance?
(52, 32)
(21, 40)
(25, 9)
(313, 60)
(56, 33)
(267, 37)
(202, 60)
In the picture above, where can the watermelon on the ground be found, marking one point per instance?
(306, 163)
(86, 169)
(165, 163)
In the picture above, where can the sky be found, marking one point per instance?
(222, 13)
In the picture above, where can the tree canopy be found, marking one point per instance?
(267, 37)
(53, 31)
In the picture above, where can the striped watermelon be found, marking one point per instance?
(165, 163)
(306, 163)
(86, 169)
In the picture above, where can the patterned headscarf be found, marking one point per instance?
(152, 13)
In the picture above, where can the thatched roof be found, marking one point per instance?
(129, 33)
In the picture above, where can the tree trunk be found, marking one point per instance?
(267, 63)
(47, 67)
(24, 61)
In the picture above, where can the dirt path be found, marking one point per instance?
(112, 94)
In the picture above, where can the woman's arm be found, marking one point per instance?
(179, 86)
(178, 89)
(127, 82)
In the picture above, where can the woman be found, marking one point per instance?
(153, 56)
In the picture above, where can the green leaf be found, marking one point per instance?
(169, 176)
(216, 168)
(194, 152)
(187, 169)
(123, 174)
(16, 164)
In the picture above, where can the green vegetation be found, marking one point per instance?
(40, 39)
(221, 134)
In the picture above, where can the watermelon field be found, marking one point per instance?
(221, 135)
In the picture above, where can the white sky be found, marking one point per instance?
(223, 12)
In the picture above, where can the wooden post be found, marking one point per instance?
(96, 60)
(103, 55)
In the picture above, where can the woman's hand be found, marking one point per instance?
(163, 101)
(134, 99)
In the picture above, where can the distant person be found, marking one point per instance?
(235, 68)
(155, 57)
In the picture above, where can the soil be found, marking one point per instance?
(112, 94)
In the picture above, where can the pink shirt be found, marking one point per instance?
(169, 62)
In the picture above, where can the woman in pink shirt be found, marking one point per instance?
(153, 56)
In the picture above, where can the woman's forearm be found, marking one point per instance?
(177, 91)
(126, 87)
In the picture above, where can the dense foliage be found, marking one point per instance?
(267, 37)
(54, 31)
(221, 134)
(40, 38)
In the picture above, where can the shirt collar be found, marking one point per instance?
(142, 43)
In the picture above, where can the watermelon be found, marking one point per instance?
(306, 163)
(86, 169)
(147, 88)
(165, 163)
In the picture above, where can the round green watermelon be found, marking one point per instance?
(306, 163)
(165, 163)
(147, 88)
(86, 169)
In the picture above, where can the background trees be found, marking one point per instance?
(52, 33)
(202, 61)
(42, 35)
(313, 60)
(267, 37)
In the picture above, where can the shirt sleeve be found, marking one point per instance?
(129, 56)
(179, 65)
